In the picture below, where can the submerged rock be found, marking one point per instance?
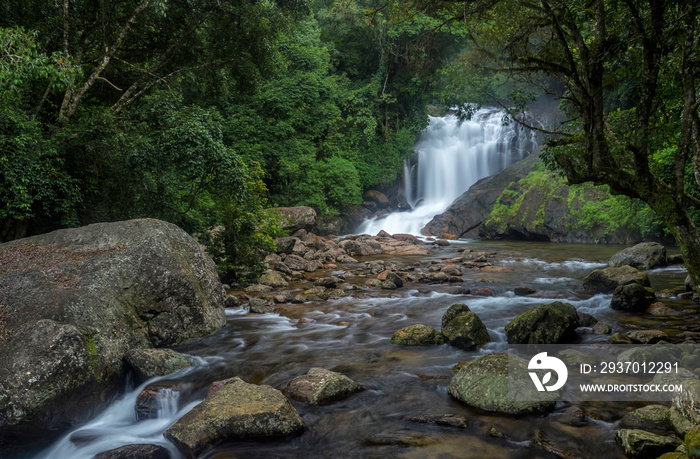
(417, 335)
(149, 363)
(237, 410)
(483, 383)
(320, 387)
(644, 256)
(463, 328)
(544, 324)
(77, 300)
(606, 280)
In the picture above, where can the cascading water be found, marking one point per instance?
(452, 156)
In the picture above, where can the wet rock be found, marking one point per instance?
(151, 400)
(463, 328)
(452, 270)
(575, 357)
(644, 256)
(327, 282)
(524, 291)
(442, 243)
(482, 292)
(544, 324)
(297, 263)
(692, 444)
(646, 336)
(135, 452)
(642, 444)
(320, 387)
(282, 298)
(388, 285)
(650, 417)
(495, 433)
(273, 279)
(541, 439)
(632, 298)
(376, 197)
(238, 410)
(149, 363)
(296, 218)
(660, 309)
(376, 283)
(258, 288)
(601, 328)
(391, 277)
(606, 280)
(399, 248)
(417, 335)
(260, 306)
(483, 383)
(232, 301)
(619, 338)
(405, 439)
(285, 244)
(448, 236)
(451, 420)
(586, 320)
(575, 416)
(686, 405)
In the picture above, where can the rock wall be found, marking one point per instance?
(73, 302)
(528, 202)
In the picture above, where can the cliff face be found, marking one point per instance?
(528, 202)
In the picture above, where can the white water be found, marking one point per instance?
(452, 156)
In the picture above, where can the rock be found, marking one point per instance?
(406, 238)
(495, 433)
(483, 383)
(644, 256)
(482, 292)
(285, 244)
(685, 412)
(688, 284)
(632, 298)
(377, 197)
(149, 363)
(296, 218)
(660, 309)
(273, 279)
(297, 263)
(451, 420)
(320, 387)
(606, 280)
(463, 328)
(388, 285)
(260, 306)
(552, 323)
(575, 416)
(135, 452)
(417, 335)
(452, 270)
(641, 444)
(232, 301)
(258, 288)
(650, 417)
(576, 358)
(692, 444)
(375, 283)
(619, 338)
(448, 236)
(327, 282)
(238, 410)
(586, 320)
(646, 336)
(524, 291)
(152, 400)
(601, 328)
(442, 243)
(76, 300)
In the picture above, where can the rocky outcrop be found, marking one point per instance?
(417, 335)
(74, 301)
(552, 323)
(606, 280)
(463, 328)
(237, 410)
(149, 363)
(320, 387)
(527, 202)
(644, 256)
(296, 218)
(483, 383)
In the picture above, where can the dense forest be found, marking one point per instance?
(205, 113)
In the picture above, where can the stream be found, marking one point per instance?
(351, 335)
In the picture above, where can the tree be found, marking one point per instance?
(595, 50)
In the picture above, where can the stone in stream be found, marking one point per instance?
(273, 279)
(644, 256)
(524, 291)
(135, 452)
(149, 363)
(463, 328)
(483, 383)
(417, 335)
(320, 387)
(650, 417)
(552, 323)
(692, 444)
(152, 399)
(632, 298)
(606, 280)
(641, 444)
(236, 411)
(601, 328)
(73, 302)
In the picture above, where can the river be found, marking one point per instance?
(351, 335)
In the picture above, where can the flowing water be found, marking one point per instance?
(452, 155)
(351, 335)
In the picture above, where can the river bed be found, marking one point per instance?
(351, 335)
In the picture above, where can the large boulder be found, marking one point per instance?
(376, 197)
(463, 328)
(74, 301)
(552, 323)
(644, 256)
(237, 410)
(320, 386)
(296, 218)
(606, 280)
(642, 444)
(483, 383)
(632, 297)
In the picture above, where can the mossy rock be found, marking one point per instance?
(417, 335)
(632, 298)
(320, 386)
(650, 417)
(606, 280)
(483, 383)
(692, 444)
(552, 323)
(641, 444)
(463, 328)
(149, 363)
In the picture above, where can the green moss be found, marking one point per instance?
(93, 356)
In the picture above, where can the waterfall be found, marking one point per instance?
(451, 157)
